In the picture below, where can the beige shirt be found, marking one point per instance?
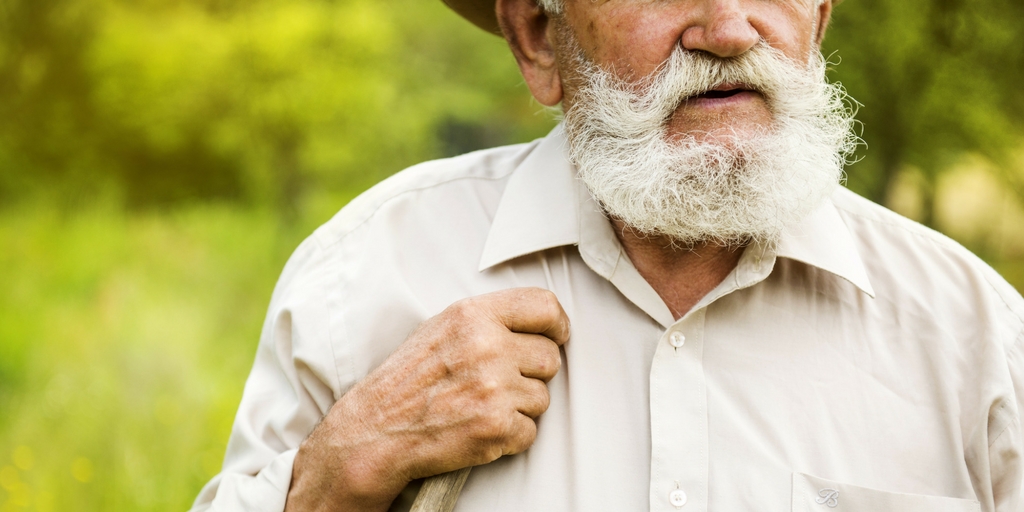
(866, 363)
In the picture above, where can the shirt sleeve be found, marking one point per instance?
(292, 385)
(1006, 448)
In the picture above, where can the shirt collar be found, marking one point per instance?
(538, 209)
(822, 240)
(544, 206)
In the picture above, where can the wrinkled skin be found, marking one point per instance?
(462, 390)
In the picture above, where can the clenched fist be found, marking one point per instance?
(462, 390)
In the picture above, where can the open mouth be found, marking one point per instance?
(728, 93)
(724, 91)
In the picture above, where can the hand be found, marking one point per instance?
(462, 390)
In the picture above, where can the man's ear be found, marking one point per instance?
(530, 34)
(824, 15)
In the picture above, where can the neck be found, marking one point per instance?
(681, 276)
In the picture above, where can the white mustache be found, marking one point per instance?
(687, 74)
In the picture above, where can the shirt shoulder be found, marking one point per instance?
(919, 268)
(396, 255)
(457, 182)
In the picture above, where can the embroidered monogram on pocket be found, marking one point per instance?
(828, 496)
(814, 494)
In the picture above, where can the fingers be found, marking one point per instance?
(469, 381)
(532, 397)
(496, 435)
(522, 434)
(537, 356)
(532, 310)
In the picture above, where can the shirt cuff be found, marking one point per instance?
(264, 492)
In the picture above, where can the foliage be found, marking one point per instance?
(163, 101)
(261, 101)
(124, 345)
(937, 79)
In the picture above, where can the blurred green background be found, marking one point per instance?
(160, 159)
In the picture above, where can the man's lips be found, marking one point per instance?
(720, 94)
(723, 95)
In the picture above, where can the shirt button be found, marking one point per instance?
(677, 498)
(677, 339)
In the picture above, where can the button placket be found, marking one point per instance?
(679, 418)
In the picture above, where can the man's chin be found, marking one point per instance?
(724, 127)
(724, 135)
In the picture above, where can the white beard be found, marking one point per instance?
(728, 190)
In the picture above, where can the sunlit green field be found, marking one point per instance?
(124, 346)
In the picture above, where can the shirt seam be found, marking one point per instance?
(369, 215)
(374, 209)
(330, 331)
(946, 245)
(1001, 432)
(1012, 420)
(322, 253)
(332, 314)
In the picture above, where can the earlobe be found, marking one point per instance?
(529, 32)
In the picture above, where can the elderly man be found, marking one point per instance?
(666, 304)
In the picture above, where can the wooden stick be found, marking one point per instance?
(439, 493)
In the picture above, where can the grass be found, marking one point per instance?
(124, 346)
(125, 342)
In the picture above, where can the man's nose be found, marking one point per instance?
(722, 28)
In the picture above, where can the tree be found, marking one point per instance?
(260, 101)
(937, 79)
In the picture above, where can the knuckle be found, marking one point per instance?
(480, 347)
(493, 426)
(556, 359)
(488, 388)
(460, 310)
(524, 437)
(550, 301)
(552, 360)
(545, 367)
(548, 361)
(543, 399)
(492, 453)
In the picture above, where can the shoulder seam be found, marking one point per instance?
(945, 243)
(935, 240)
(370, 214)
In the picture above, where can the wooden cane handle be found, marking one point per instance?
(439, 493)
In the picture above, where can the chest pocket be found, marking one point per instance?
(812, 494)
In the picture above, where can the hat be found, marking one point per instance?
(481, 13)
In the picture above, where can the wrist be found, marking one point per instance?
(344, 465)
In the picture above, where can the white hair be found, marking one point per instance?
(551, 6)
(726, 189)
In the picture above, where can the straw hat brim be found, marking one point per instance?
(481, 13)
